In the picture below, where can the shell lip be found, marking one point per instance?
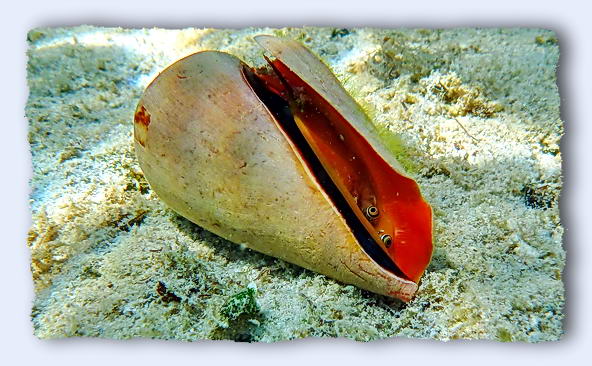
(294, 55)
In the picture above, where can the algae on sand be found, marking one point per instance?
(473, 114)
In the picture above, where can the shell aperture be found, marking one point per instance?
(402, 230)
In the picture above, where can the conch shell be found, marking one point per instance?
(284, 161)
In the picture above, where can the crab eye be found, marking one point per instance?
(371, 212)
(386, 239)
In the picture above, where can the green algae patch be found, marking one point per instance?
(240, 317)
(241, 304)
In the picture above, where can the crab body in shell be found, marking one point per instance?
(284, 161)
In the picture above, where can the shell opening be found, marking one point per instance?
(361, 174)
(282, 112)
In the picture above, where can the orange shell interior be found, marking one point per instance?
(361, 174)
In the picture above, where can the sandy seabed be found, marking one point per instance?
(472, 114)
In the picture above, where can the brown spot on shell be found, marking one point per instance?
(142, 116)
(141, 123)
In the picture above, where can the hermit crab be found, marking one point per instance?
(282, 160)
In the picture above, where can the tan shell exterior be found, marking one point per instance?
(213, 153)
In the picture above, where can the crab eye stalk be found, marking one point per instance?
(386, 239)
(371, 212)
